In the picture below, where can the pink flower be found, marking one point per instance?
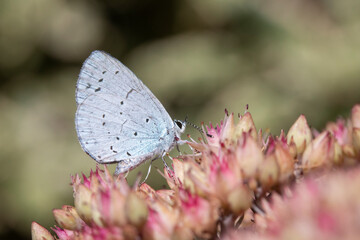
(105, 208)
(40, 233)
(355, 116)
(320, 153)
(279, 149)
(68, 218)
(198, 214)
(161, 222)
(300, 134)
(326, 208)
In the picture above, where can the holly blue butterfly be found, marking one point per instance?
(118, 119)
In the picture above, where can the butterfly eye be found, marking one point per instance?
(179, 124)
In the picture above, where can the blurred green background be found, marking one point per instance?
(283, 58)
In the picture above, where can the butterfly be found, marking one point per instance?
(118, 119)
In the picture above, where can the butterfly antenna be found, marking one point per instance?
(196, 127)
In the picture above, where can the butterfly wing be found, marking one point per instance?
(118, 119)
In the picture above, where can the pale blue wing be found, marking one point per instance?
(110, 131)
(103, 74)
(118, 119)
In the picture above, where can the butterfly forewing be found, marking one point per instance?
(102, 73)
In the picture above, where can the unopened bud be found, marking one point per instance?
(245, 124)
(38, 232)
(136, 209)
(355, 116)
(320, 152)
(300, 134)
(83, 203)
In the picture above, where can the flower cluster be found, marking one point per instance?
(107, 208)
(325, 208)
(226, 184)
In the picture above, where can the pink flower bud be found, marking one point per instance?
(166, 195)
(63, 234)
(38, 232)
(116, 210)
(320, 152)
(67, 218)
(355, 116)
(239, 199)
(195, 179)
(356, 139)
(300, 134)
(285, 160)
(83, 203)
(338, 154)
(348, 151)
(197, 214)
(249, 156)
(136, 209)
(161, 222)
(145, 191)
(269, 171)
(227, 131)
(340, 131)
(179, 171)
(245, 125)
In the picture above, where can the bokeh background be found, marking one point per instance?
(283, 58)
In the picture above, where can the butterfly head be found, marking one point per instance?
(179, 127)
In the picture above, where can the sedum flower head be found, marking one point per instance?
(326, 208)
(237, 183)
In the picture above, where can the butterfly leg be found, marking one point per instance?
(166, 166)
(179, 142)
(177, 147)
(148, 173)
